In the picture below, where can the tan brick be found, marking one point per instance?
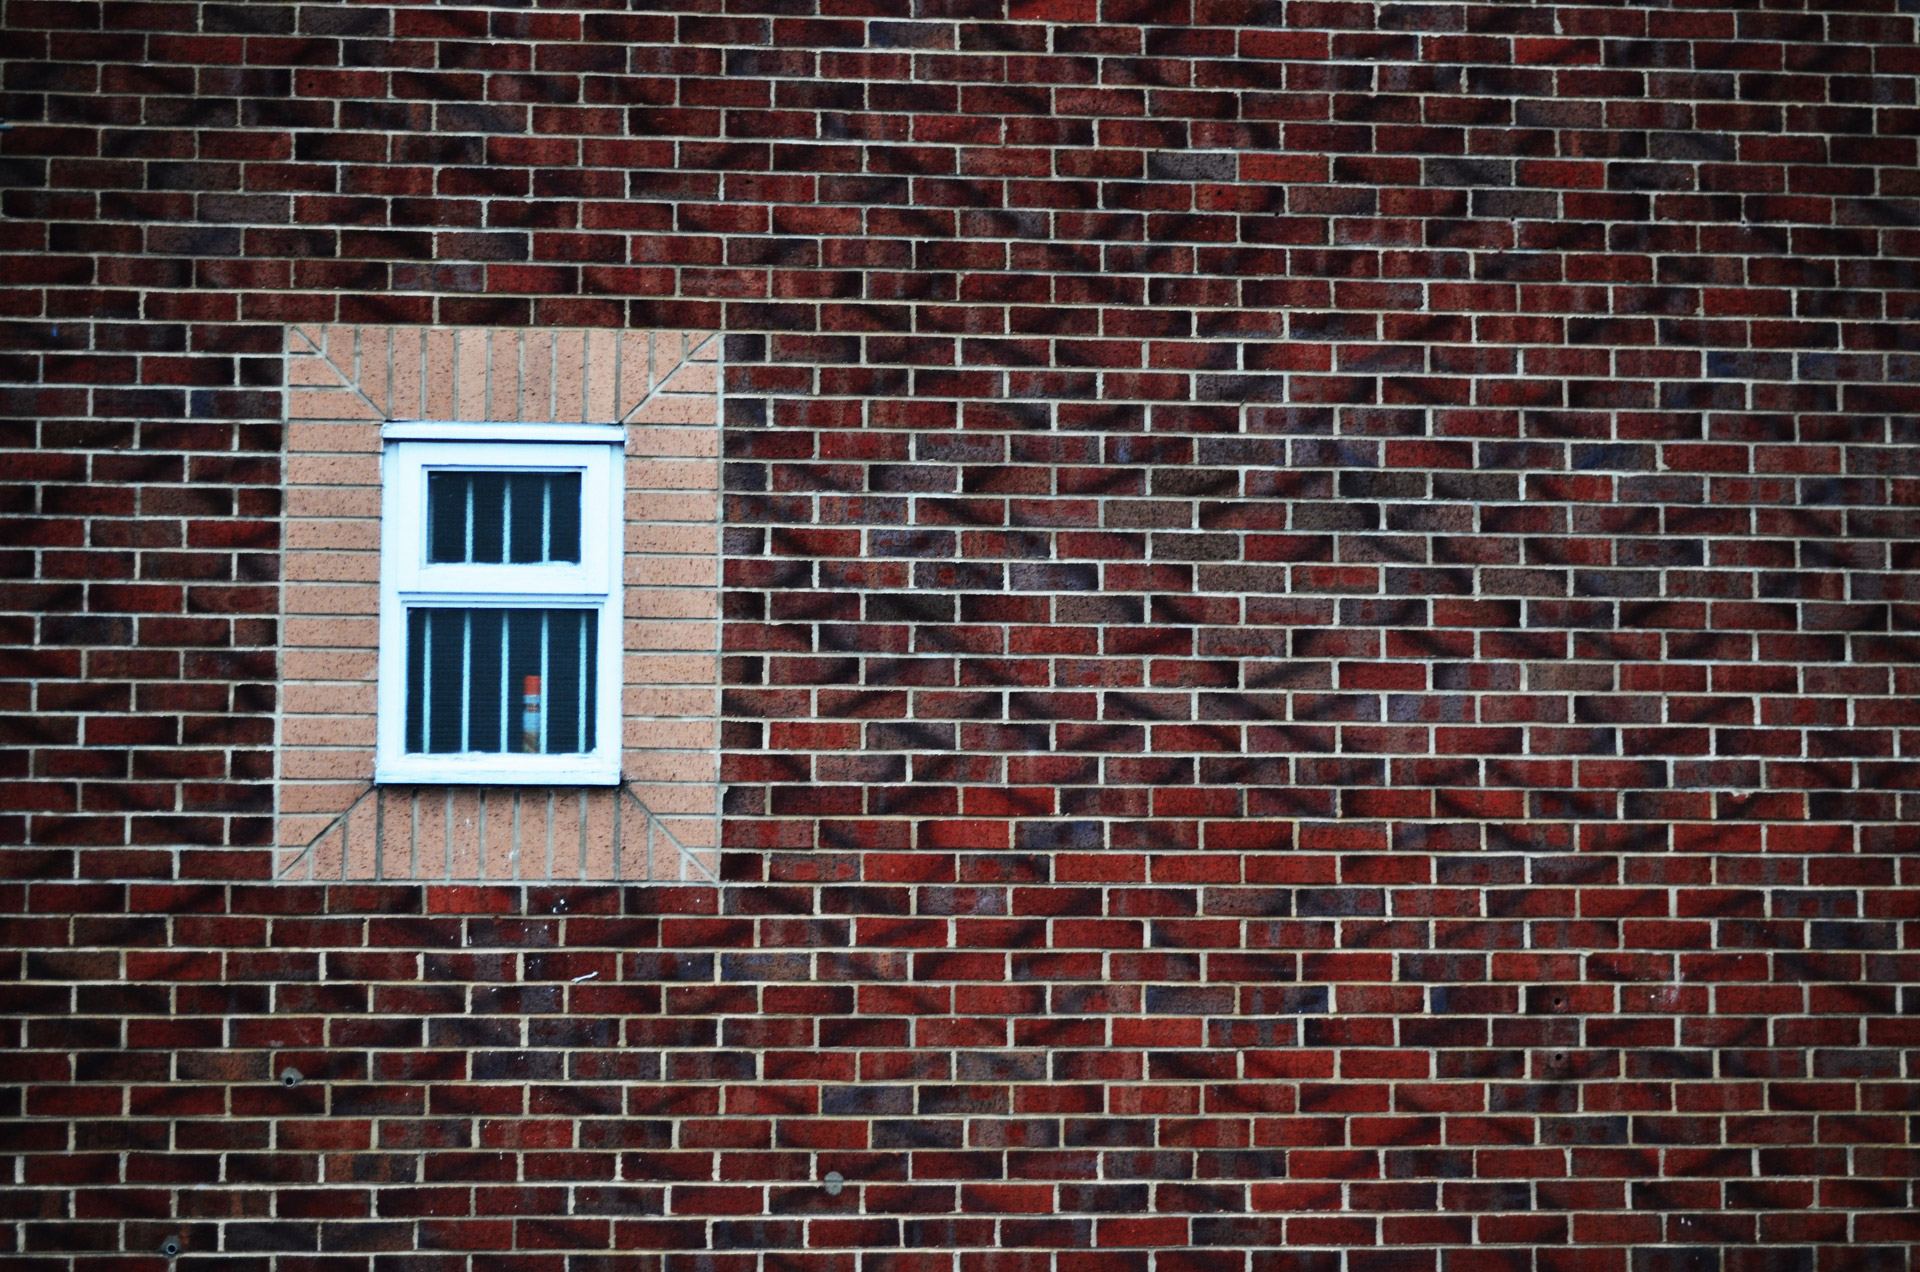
(668, 474)
(570, 376)
(331, 436)
(530, 835)
(326, 765)
(376, 368)
(689, 571)
(603, 377)
(693, 831)
(536, 385)
(326, 731)
(696, 768)
(333, 632)
(671, 603)
(333, 470)
(469, 375)
(332, 567)
(600, 862)
(668, 735)
(308, 534)
(431, 823)
(463, 841)
(565, 840)
(493, 843)
(439, 383)
(659, 442)
(314, 797)
(310, 370)
(363, 841)
(408, 346)
(327, 404)
(670, 669)
(341, 347)
(650, 702)
(664, 409)
(298, 697)
(344, 502)
(673, 539)
(693, 376)
(342, 597)
(328, 664)
(503, 376)
(698, 507)
(644, 634)
(295, 833)
(636, 368)
(321, 860)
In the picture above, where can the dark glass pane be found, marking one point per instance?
(523, 662)
(563, 536)
(445, 677)
(489, 517)
(416, 661)
(488, 687)
(588, 692)
(516, 518)
(482, 679)
(447, 517)
(526, 518)
(563, 680)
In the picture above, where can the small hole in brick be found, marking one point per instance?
(835, 1181)
(170, 1247)
(290, 1077)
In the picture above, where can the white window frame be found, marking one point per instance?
(407, 579)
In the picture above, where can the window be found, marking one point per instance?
(500, 559)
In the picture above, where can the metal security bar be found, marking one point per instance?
(500, 680)
(502, 518)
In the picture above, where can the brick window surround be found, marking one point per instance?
(344, 383)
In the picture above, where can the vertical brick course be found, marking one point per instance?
(1318, 636)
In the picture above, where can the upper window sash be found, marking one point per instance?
(405, 523)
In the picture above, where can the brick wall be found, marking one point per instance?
(1319, 645)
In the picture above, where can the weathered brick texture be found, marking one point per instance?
(1320, 651)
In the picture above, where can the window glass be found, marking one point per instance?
(515, 681)
(492, 518)
(500, 605)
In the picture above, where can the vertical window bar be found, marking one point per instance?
(466, 681)
(469, 555)
(451, 689)
(546, 517)
(426, 683)
(506, 519)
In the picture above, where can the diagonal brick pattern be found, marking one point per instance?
(344, 383)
